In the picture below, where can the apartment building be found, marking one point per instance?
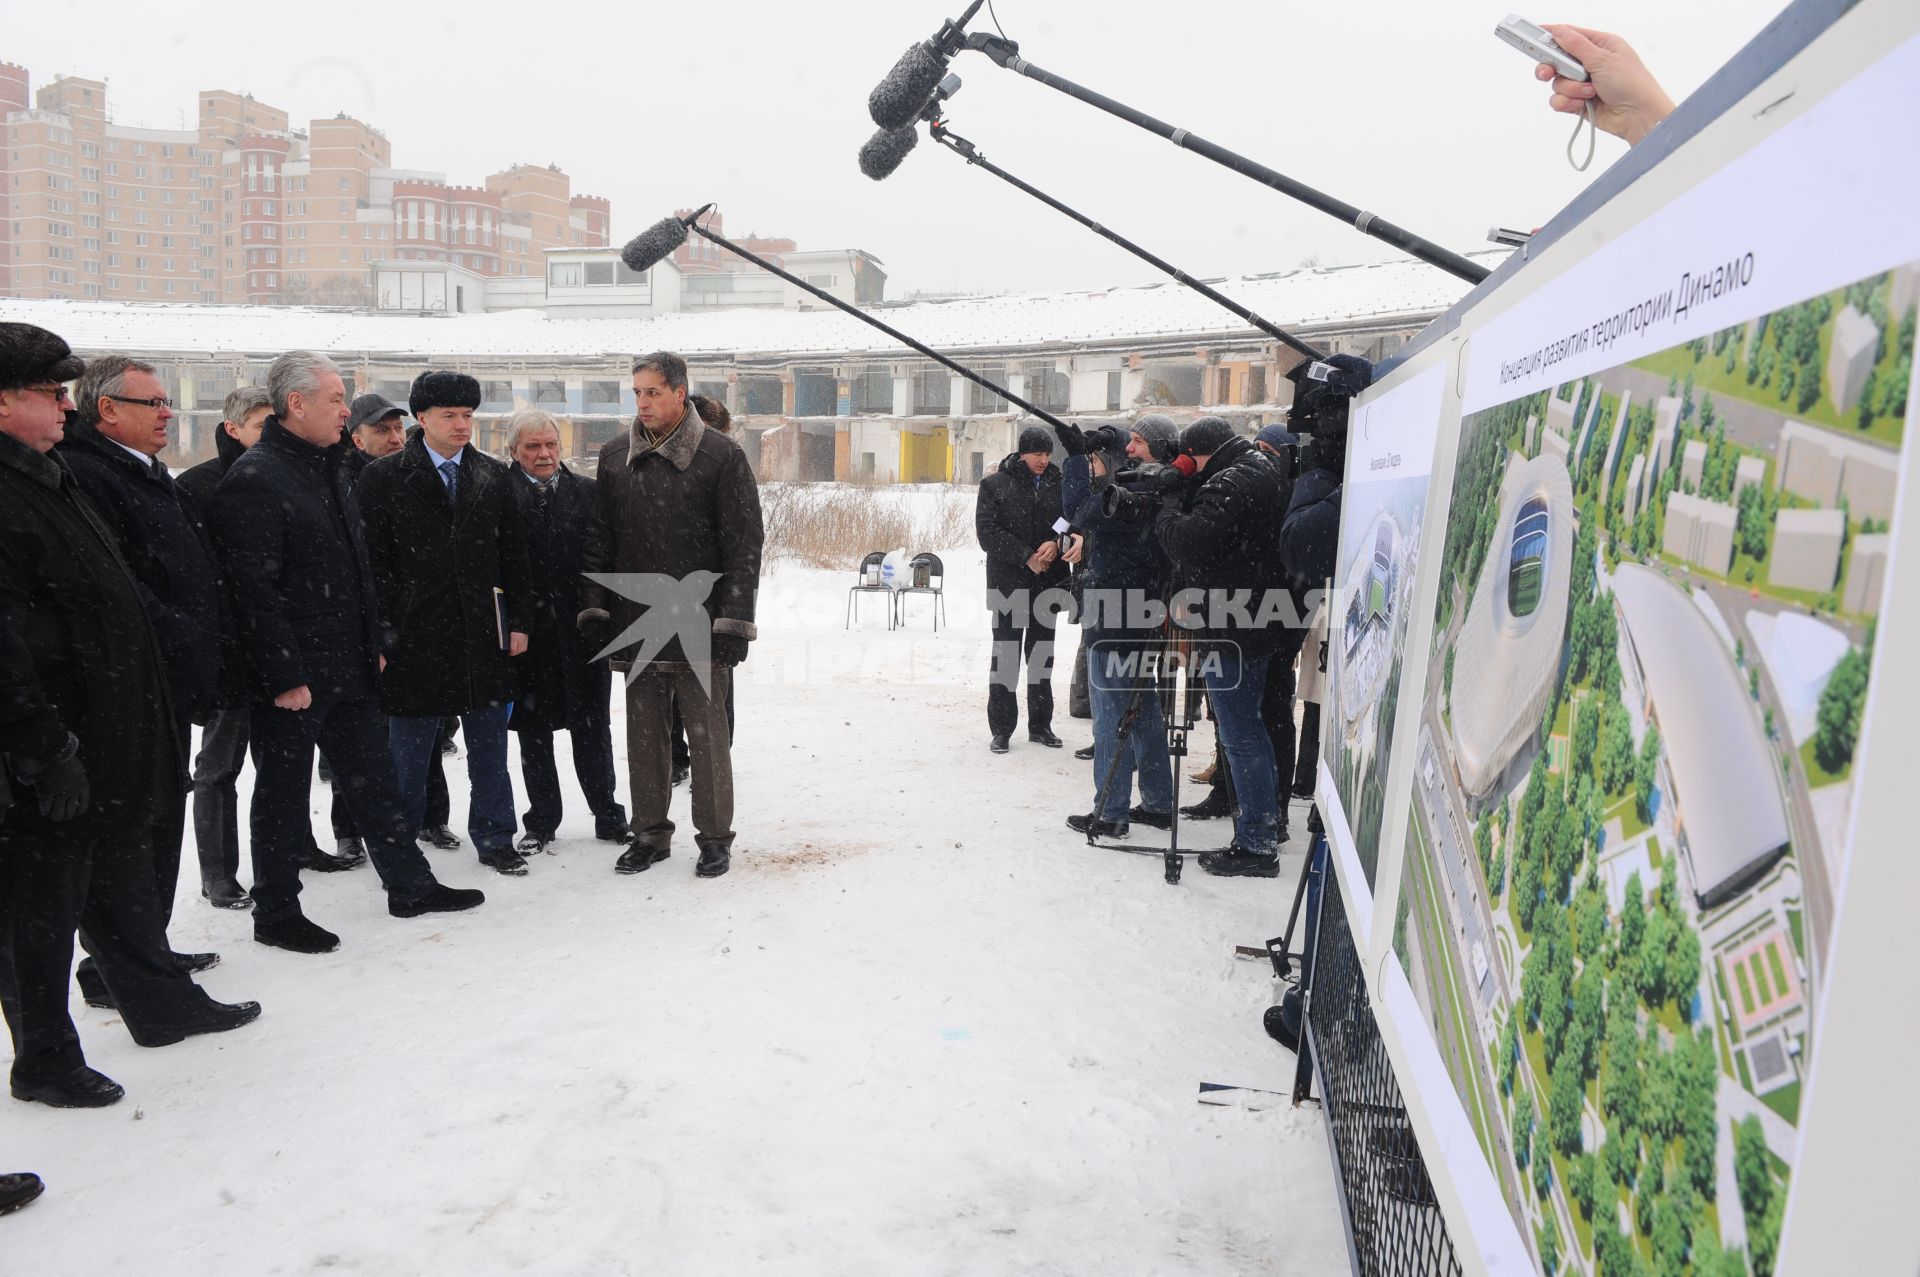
(244, 208)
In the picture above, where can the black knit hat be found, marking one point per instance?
(1204, 437)
(1035, 439)
(443, 390)
(29, 354)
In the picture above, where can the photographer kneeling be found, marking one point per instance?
(1223, 537)
(1125, 571)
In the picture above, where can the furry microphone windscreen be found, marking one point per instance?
(654, 245)
(886, 150)
(896, 101)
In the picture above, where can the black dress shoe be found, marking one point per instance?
(1212, 807)
(320, 862)
(1235, 862)
(999, 745)
(1084, 755)
(440, 836)
(1152, 819)
(441, 899)
(194, 963)
(1045, 738)
(226, 895)
(505, 861)
(1099, 828)
(296, 934)
(214, 1017)
(712, 863)
(531, 843)
(639, 859)
(351, 850)
(17, 1189)
(619, 833)
(84, 1088)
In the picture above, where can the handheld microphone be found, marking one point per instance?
(886, 150)
(897, 100)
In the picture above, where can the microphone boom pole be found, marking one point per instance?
(971, 154)
(865, 318)
(1007, 54)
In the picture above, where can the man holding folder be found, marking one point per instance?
(450, 571)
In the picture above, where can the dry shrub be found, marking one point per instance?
(833, 525)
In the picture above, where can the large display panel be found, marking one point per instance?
(1617, 853)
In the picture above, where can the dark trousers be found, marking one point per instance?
(1306, 771)
(1011, 642)
(101, 882)
(682, 757)
(415, 743)
(353, 732)
(170, 827)
(592, 765)
(439, 803)
(651, 699)
(216, 804)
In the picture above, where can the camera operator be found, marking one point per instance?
(1310, 532)
(1223, 537)
(1124, 566)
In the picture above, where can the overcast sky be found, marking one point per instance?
(1410, 108)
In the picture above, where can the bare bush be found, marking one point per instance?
(832, 525)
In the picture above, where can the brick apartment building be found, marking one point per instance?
(243, 208)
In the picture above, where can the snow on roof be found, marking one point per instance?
(1311, 298)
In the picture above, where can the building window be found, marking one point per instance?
(1113, 391)
(599, 273)
(932, 394)
(1048, 387)
(565, 274)
(873, 391)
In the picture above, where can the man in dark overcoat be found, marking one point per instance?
(87, 745)
(560, 687)
(1014, 515)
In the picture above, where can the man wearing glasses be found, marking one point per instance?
(112, 447)
(90, 756)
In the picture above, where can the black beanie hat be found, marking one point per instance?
(1204, 437)
(443, 390)
(30, 354)
(1035, 439)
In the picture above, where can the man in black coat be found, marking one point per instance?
(560, 686)
(1014, 517)
(288, 533)
(450, 574)
(1223, 538)
(676, 513)
(112, 449)
(87, 742)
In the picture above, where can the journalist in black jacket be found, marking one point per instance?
(1014, 515)
(1223, 538)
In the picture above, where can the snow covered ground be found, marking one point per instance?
(920, 1028)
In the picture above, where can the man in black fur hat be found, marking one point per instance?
(449, 558)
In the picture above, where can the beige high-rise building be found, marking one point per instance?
(245, 208)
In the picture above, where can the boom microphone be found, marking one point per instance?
(657, 243)
(886, 150)
(896, 101)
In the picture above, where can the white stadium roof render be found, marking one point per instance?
(1311, 298)
(1505, 666)
(1732, 816)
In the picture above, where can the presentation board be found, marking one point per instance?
(1602, 686)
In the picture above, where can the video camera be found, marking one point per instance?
(1137, 493)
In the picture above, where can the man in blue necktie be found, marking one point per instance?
(449, 557)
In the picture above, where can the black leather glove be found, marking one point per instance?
(1106, 439)
(61, 782)
(729, 649)
(596, 628)
(1073, 439)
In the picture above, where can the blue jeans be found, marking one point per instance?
(1146, 749)
(1236, 685)
(414, 741)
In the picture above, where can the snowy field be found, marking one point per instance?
(920, 1028)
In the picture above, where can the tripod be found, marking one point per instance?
(1170, 679)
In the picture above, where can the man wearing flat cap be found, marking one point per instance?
(378, 428)
(449, 558)
(88, 753)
